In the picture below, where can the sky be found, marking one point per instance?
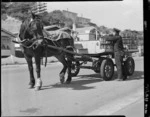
(126, 14)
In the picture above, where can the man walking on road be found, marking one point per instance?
(118, 52)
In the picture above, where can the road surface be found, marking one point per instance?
(88, 94)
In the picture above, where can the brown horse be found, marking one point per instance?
(34, 44)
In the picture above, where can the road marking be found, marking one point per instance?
(118, 104)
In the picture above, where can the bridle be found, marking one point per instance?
(33, 40)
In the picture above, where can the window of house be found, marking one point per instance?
(7, 47)
(2, 46)
(92, 35)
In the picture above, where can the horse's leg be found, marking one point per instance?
(30, 67)
(61, 58)
(69, 58)
(69, 78)
(38, 70)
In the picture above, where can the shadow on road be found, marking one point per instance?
(76, 84)
(81, 82)
(138, 75)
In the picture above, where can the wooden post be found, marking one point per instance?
(12, 58)
(140, 50)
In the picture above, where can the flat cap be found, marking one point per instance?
(116, 30)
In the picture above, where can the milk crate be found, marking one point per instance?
(106, 45)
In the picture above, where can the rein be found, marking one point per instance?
(21, 42)
(34, 42)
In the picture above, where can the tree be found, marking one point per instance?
(4, 8)
(104, 29)
(45, 18)
(58, 18)
(18, 10)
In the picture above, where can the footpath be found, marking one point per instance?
(129, 106)
(135, 109)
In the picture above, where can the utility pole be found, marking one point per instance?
(39, 7)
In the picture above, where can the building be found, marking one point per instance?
(70, 15)
(12, 25)
(141, 44)
(7, 46)
(76, 20)
(82, 20)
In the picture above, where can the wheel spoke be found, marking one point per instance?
(130, 66)
(108, 70)
(74, 68)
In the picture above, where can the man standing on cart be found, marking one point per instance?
(118, 52)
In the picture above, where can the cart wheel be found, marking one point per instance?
(96, 65)
(75, 68)
(97, 71)
(107, 69)
(129, 66)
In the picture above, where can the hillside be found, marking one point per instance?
(11, 24)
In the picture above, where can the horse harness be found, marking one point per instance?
(35, 42)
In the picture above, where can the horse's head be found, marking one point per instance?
(32, 28)
(36, 26)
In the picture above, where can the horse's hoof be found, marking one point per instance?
(38, 84)
(68, 82)
(62, 78)
(31, 86)
(37, 88)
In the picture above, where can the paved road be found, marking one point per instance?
(88, 94)
(135, 109)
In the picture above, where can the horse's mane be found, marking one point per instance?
(23, 28)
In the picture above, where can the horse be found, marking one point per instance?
(33, 44)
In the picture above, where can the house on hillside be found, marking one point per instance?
(70, 15)
(12, 25)
(7, 46)
(83, 21)
(80, 21)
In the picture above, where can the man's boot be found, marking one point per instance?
(120, 77)
(124, 72)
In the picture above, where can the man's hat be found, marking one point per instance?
(116, 30)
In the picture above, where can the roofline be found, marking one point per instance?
(84, 18)
(85, 29)
(89, 27)
(70, 12)
(2, 29)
